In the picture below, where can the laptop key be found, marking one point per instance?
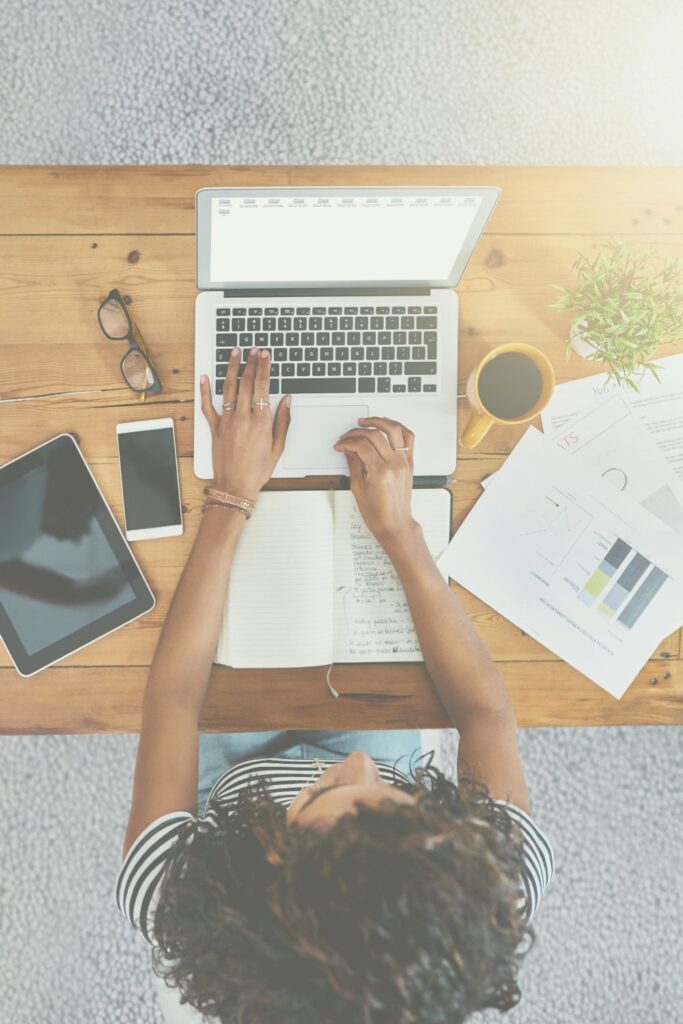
(284, 323)
(300, 323)
(318, 369)
(367, 310)
(408, 323)
(366, 385)
(398, 388)
(322, 338)
(254, 323)
(358, 353)
(420, 369)
(310, 354)
(338, 338)
(430, 309)
(400, 338)
(222, 370)
(303, 370)
(372, 352)
(395, 369)
(429, 387)
(415, 337)
(376, 323)
(288, 369)
(361, 323)
(403, 352)
(327, 354)
(303, 310)
(334, 369)
(219, 387)
(414, 384)
(296, 355)
(364, 369)
(275, 369)
(287, 311)
(380, 369)
(383, 309)
(315, 323)
(429, 336)
(369, 337)
(353, 338)
(280, 355)
(274, 387)
(308, 338)
(277, 339)
(349, 370)
(222, 325)
(389, 352)
(331, 323)
(318, 386)
(419, 351)
(239, 310)
(384, 338)
(431, 350)
(346, 323)
(334, 310)
(223, 312)
(255, 311)
(261, 340)
(246, 339)
(341, 354)
(391, 323)
(414, 309)
(226, 339)
(398, 309)
(426, 323)
(292, 339)
(238, 323)
(351, 310)
(318, 311)
(271, 311)
(269, 323)
(384, 384)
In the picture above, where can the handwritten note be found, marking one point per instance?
(372, 620)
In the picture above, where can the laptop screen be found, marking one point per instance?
(346, 237)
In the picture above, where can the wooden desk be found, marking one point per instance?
(71, 233)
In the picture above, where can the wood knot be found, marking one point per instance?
(93, 245)
(127, 299)
(133, 256)
(175, 370)
(495, 259)
(471, 331)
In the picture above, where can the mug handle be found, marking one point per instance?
(477, 427)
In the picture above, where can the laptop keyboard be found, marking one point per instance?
(334, 349)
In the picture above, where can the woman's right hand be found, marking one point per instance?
(382, 476)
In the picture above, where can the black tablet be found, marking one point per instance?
(67, 575)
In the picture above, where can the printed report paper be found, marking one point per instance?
(573, 562)
(659, 404)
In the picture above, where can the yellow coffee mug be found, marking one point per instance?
(511, 384)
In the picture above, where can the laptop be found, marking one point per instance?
(351, 289)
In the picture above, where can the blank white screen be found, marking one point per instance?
(338, 238)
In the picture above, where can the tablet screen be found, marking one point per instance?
(66, 573)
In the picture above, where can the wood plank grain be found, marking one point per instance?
(50, 341)
(162, 563)
(133, 200)
(108, 699)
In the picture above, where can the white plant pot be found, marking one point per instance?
(578, 342)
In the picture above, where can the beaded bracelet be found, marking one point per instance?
(229, 499)
(227, 507)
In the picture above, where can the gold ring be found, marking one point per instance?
(228, 405)
(401, 449)
(260, 404)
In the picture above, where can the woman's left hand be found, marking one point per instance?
(246, 441)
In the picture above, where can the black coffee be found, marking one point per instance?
(510, 385)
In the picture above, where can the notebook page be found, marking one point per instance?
(279, 609)
(372, 621)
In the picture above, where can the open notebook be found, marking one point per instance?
(310, 585)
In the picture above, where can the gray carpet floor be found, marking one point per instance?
(345, 81)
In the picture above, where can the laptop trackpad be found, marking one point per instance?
(314, 430)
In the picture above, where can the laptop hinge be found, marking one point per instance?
(323, 293)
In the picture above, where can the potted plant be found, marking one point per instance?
(627, 305)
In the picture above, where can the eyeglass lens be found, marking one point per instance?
(114, 319)
(137, 371)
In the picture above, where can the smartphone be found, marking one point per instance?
(149, 479)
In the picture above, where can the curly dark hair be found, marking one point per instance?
(399, 914)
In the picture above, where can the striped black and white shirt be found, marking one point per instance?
(140, 877)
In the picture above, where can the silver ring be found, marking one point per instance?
(260, 404)
(228, 405)
(401, 449)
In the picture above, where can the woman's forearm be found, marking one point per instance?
(187, 645)
(457, 661)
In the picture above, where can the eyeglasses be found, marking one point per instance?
(137, 368)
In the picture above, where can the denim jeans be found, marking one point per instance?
(220, 751)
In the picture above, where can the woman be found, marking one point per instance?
(323, 882)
